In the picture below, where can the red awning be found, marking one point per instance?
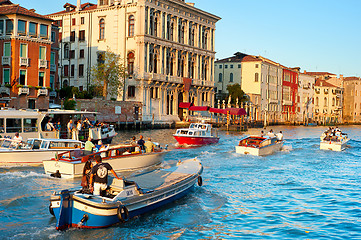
(217, 110)
(236, 111)
(232, 111)
(198, 108)
(185, 105)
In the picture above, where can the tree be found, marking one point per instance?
(108, 74)
(235, 92)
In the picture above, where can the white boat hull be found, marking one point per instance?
(123, 163)
(262, 151)
(26, 157)
(333, 146)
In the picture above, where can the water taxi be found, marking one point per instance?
(259, 146)
(125, 199)
(121, 157)
(335, 141)
(196, 135)
(34, 150)
(31, 124)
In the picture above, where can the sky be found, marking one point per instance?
(315, 35)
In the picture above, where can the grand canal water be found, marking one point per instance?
(299, 193)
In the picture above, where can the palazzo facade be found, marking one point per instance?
(167, 46)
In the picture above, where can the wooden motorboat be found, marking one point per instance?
(335, 141)
(259, 146)
(125, 199)
(120, 157)
(34, 150)
(196, 135)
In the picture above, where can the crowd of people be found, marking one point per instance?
(333, 134)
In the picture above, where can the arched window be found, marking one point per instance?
(66, 50)
(325, 101)
(155, 27)
(316, 101)
(131, 26)
(130, 63)
(101, 29)
(231, 77)
(333, 101)
(256, 77)
(220, 76)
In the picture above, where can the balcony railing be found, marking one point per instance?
(52, 68)
(43, 63)
(6, 60)
(23, 90)
(287, 102)
(42, 92)
(275, 101)
(24, 61)
(4, 90)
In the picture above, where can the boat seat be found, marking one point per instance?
(117, 185)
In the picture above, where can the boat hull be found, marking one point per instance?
(69, 208)
(333, 146)
(262, 151)
(74, 169)
(195, 141)
(26, 157)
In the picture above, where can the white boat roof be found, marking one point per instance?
(55, 140)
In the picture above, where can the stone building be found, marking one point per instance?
(167, 46)
(352, 99)
(305, 102)
(227, 71)
(28, 63)
(262, 82)
(327, 102)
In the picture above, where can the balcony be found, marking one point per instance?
(287, 102)
(52, 68)
(42, 92)
(4, 90)
(273, 101)
(6, 60)
(23, 90)
(24, 61)
(43, 63)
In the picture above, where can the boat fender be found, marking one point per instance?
(122, 213)
(51, 210)
(200, 181)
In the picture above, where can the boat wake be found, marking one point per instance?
(286, 148)
(13, 175)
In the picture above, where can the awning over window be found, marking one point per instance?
(185, 105)
(217, 110)
(198, 108)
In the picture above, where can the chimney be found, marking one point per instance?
(341, 77)
(78, 6)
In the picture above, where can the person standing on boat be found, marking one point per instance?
(57, 129)
(279, 136)
(78, 129)
(69, 127)
(262, 133)
(85, 181)
(18, 137)
(88, 148)
(141, 143)
(271, 134)
(149, 146)
(100, 176)
(49, 126)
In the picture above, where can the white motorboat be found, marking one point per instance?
(34, 150)
(197, 134)
(335, 141)
(259, 146)
(31, 124)
(120, 157)
(125, 199)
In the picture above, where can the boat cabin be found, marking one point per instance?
(196, 129)
(39, 144)
(257, 142)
